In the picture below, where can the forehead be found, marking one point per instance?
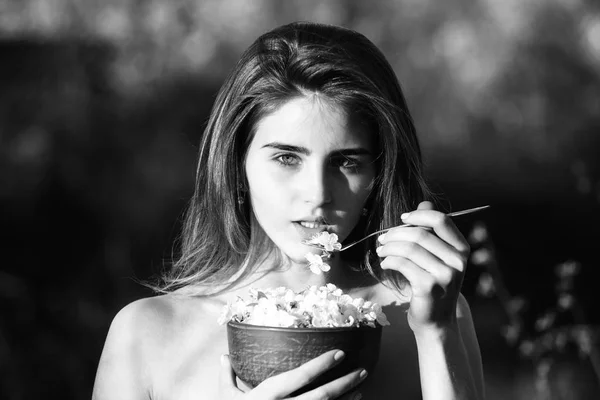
(312, 121)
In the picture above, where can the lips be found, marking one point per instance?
(309, 228)
(315, 219)
(312, 225)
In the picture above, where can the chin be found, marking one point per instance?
(293, 250)
(297, 255)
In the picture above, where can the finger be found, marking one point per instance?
(422, 283)
(423, 259)
(353, 395)
(442, 225)
(242, 386)
(288, 382)
(337, 388)
(427, 240)
(227, 377)
(425, 205)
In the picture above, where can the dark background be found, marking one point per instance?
(102, 105)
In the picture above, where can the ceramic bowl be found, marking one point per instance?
(259, 352)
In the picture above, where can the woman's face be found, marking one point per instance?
(309, 168)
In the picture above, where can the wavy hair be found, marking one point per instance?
(221, 242)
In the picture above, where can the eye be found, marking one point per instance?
(288, 160)
(345, 162)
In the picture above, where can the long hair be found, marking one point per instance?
(220, 242)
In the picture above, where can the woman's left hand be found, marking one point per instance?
(432, 256)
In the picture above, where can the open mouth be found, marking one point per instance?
(312, 225)
(310, 228)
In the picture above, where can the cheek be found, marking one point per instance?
(353, 200)
(357, 193)
(257, 176)
(267, 195)
(264, 201)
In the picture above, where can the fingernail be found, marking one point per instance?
(381, 238)
(363, 374)
(338, 356)
(405, 215)
(378, 249)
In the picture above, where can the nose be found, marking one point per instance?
(317, 186)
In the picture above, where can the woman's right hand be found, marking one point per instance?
(282, 385)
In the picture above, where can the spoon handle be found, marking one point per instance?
(452, 214)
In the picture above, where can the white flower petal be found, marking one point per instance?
(315, 269)
(325, 306)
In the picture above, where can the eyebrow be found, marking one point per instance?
(358, 151)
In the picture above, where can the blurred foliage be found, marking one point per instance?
(103, 102)
(560, 343)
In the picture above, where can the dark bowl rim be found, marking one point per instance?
(242, 325)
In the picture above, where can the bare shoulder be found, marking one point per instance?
(136, 322)
(466, 325)
(123, 370)
(469, 337)
(143, 342)
(463, 310)
(143, 322)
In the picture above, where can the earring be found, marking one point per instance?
(240, 194)
(364, 212)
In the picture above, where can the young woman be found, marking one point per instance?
(309, 133)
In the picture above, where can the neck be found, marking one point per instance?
(298, 276)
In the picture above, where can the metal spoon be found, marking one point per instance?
(346, 247)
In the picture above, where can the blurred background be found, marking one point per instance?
(102, 104)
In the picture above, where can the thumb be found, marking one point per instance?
(425, 205)
(227, 376)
